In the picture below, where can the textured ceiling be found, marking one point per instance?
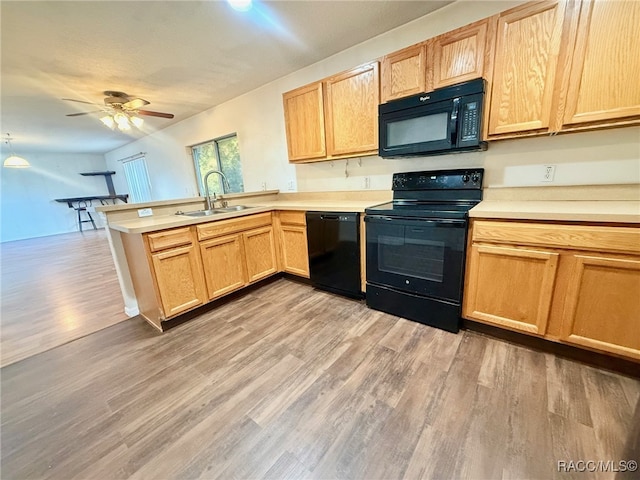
(182, 56)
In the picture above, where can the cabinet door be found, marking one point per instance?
(526, 57)
(403, 73)
(295, 258)
(602, 308)
(510, 287)
(604, 72)
(304, 122)
(460, 55)
(223, 264)
(352, 100)
(178, 274)
(260, 253)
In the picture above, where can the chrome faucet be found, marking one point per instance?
(225, 185)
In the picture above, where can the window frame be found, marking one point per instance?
(216, 147)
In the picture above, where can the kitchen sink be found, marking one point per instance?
(215, 211)
(235, 208)
(199, 213)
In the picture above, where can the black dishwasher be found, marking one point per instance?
(333, 239)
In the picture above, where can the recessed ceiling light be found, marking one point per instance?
(240, 5)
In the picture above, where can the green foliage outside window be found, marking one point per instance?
(220, 154)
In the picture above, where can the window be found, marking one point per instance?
(219, 154)
(137, 176)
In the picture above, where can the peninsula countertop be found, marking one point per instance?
(162, 222)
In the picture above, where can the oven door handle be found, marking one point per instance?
(416, 221)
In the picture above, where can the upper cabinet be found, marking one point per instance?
(404, 72)
(457, 56)
(565, 65)
(602, 83)
(335, 118)
(351, 115)
(461, 55)
(526, 58)
(550, 66)
(304, 122)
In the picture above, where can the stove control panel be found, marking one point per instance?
(462, 179)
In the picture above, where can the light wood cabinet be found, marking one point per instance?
(293, 243)
(576, 284)
(602, 308)
(304, 123)
(178, 275)
(237, 252)
(462, 54)
(334, 118)
(166, 272)
(351, 116)
(404, 73)
(602, 70)
(259, 253)
(520, 296)
(224, 266)
(526, 60)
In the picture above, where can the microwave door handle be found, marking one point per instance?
(454, 121)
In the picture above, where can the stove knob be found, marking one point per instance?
(475, 177)
(465, 178)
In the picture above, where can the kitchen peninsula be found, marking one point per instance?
(266, 238)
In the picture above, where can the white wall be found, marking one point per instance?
(28, 206)
(610, 156)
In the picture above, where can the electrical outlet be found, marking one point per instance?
(145, 212)
(367, 183)
(264, 186)
(290, 185)
(549, 173)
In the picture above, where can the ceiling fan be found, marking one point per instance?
(121, 110)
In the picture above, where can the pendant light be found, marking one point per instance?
(13, 160)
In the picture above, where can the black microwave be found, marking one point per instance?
(443, 121)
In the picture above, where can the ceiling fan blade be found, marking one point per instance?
(80, 101)
(135, 103)
(82, 113)
(155, 114)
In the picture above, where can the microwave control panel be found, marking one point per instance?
(470, 122)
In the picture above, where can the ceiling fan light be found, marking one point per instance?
(15, 161)
(122, 121)
(108, 121)
(137, 121)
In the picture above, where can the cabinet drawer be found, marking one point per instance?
(225, 227)
(169, 238)
(582, 237)
(292, 217)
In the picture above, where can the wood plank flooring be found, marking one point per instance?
(56, 289)
(292, 383)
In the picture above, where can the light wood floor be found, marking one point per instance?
(55, 289)
(289, 382)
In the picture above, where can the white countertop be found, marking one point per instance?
(162, 222)
(623, 211)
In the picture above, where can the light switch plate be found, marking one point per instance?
(145, 212)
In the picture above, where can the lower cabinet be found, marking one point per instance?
(519, 296)
(223, 264)
(575, 284)
(237, 252)
(259, 253)
(176, 270)
(602, 307)
(293, 242)
(178, 274)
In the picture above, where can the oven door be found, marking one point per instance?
(425, 257)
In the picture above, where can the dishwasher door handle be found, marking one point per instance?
(329, 217)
